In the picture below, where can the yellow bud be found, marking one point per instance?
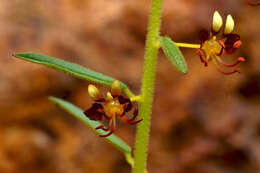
(116, 88)
(217, 21)
(93, 92)
(109, 96)
(229, 27)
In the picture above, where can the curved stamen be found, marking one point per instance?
(200, 53)
(221, 51)
(111, 124)
(252, 4)
(103, 128)
(237, 70)
(124, 119)
(222, 44)
(239, 60)
(110, 133)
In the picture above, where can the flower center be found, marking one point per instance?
(211, 47)
(113, 107)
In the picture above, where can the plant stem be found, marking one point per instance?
(187, 45)
(145, 106)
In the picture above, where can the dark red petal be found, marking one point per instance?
(100, 100)
(136, 112)
(203, 35)
(128, 107)
(123, 100)
(95, 112)
(126, 101)
(231, 43)
(135, 115)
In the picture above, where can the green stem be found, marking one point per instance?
(145, 106)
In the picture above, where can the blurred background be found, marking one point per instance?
(202, 122)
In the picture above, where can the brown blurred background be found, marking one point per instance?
(203, 122)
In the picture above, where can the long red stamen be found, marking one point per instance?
(239, 60)
(200, 53)
(221, 51)
(111, 124)
(103, 128)
(221, 43)
(110, 133)
(252, 4)
(237, 70)
(130, 122)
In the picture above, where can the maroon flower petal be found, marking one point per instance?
(126, 101)
(231, 39)
(203, 35)
(123, 100)
(95, 112)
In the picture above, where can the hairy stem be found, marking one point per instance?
(145, 106)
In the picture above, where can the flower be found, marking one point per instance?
(113, 106)
(214, 43)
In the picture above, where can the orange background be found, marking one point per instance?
(203, 122)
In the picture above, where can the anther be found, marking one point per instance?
(217, 21)
(229, 27)
(241, 59)
(116, 88)
(93, 92)
(237, 44)
(109, 96)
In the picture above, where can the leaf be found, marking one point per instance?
(78, 113)
(174, 54)
(70, 68)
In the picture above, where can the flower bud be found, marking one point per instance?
(217, 21)
(116, 88)
(229, 27)
(93, 92)
(109, 96)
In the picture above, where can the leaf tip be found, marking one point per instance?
(14, 54)
(52, 99)
(185, 71)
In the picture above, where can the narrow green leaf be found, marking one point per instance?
(174, 54)
(78, 113)
(70, 68)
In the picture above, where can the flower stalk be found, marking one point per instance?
(188, 45)
(145, 106)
